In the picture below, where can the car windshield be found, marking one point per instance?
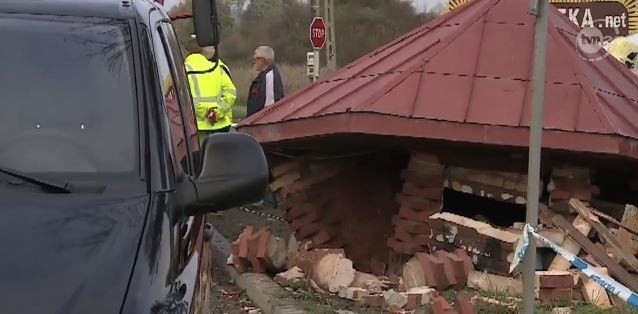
(67, 98)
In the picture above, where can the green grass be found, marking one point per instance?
(577, 307)
(311, 301)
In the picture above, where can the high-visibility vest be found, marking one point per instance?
(211, 87)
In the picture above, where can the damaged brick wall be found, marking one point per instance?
(339, 204)
(419, 198)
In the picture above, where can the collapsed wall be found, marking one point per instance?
(339, 204)
(383, 215)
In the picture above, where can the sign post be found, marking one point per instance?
(539, 9)
(318, 40)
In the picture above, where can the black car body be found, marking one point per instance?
(94, 98)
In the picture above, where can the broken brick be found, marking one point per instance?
(325, 235)
(307, 219)
(374, 300)
(562, 195)
(421, 180)
(404, 236)
(467, 261)
(285, 180)
(284, 168)
(312, 179)
(464, 304)
(298, 211)
(352, 293)
(336, 243)
(432, 193)
(571, 172)
(289, 277)
(395, 309)
(262, 244)
(548, 295)
(414, 301)
(241, 265)
(243, 241)
(440, 306)
(419, 296)
(555, 279)
(455, 265)
(395, 262)
(418, 204)
(425, 168)
(415, 214)
(448, 268)
(378, 267)
(434, 271)
(307, 231)
(424, 157)
(405, 247)
(413, 227)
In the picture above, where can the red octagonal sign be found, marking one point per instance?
(318, 33)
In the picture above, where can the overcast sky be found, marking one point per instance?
(421, 5)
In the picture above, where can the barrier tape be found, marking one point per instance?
(612, 286)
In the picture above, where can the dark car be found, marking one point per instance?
(103, 184)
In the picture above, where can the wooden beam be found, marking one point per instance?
(629, 222)
(605, 233)
(569, 244)
(613, 267)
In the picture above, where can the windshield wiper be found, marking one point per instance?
(45, 183)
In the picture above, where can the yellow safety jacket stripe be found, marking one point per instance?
(197, 95)
(210, 88)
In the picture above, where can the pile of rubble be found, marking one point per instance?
(429, 250)
(329, 271)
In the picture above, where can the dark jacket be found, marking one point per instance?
(265, 89)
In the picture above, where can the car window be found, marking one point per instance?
(174, 121)
(188, 114)
(68, 99)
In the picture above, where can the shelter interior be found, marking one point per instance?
(356, 197)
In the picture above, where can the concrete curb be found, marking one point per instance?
(261, 289)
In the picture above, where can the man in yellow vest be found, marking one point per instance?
(212, 89)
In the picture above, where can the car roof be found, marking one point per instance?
(82, 8)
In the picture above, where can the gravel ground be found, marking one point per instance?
(227, 299)
(231, 223)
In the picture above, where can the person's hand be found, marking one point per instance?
(211, 116)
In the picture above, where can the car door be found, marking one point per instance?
(186, 233)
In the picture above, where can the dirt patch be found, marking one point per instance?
(227, 299)
(232, 222)
(315, 303)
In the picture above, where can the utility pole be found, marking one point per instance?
(315, 6)
(539, 9)
(331, 47)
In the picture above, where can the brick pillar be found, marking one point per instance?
(419, 199)
(306, 206)
(570, 182)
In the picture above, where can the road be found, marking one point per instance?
(227, 299)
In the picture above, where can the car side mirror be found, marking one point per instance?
(206, 22)
(234, 172)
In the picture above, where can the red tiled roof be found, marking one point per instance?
(466, 76)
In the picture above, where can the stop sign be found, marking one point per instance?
(318, 33)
